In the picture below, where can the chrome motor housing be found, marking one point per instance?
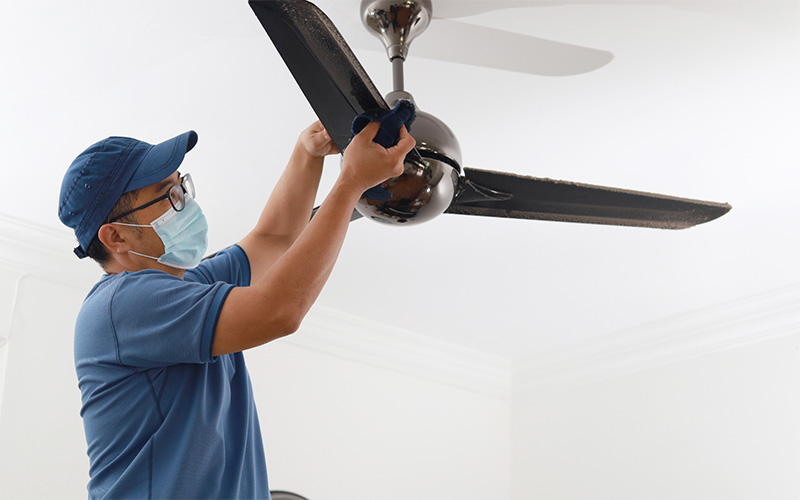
(425, 189)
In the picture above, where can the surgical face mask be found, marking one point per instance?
(184, 234)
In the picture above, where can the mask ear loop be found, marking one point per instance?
(136, 225)
(143, 255)
(131, 225)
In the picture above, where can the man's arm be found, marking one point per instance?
(278, 298)
(288, 209)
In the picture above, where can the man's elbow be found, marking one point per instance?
(281, 320)
(291, 326)
(290, 320)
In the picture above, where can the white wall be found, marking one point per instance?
(337, 429)
(42, 448)
(723, 424)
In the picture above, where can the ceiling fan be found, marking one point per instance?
(434, 181)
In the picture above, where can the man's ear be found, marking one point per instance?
(114, 240)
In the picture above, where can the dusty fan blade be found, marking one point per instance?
(499, 194)
(453, 41)
(330, 76)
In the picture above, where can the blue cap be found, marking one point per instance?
(108, 169)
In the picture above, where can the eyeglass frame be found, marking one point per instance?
(187, 193)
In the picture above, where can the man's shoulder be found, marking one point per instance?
(127, 289)
(229, 265)
(133, 313)
(110, 284)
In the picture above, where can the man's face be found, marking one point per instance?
(146, 240)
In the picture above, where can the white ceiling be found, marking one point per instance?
(699, 101)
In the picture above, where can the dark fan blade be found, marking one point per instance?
(328, 73)
(498, 194)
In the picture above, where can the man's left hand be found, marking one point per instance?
(317, 142)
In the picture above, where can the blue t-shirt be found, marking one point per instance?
(163, 417)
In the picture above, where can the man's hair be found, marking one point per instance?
(97, 250)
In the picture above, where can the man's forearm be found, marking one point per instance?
(286, 213)
(305, 267)
(278, 299)
(289, 206)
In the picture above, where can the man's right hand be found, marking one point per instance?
(367, 163)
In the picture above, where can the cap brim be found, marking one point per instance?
(161, 161)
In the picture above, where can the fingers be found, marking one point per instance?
(328, 141)
(393, 158)
(315, 127)
(406, 142)
(369, 132)
(334, 150)
(317, 141)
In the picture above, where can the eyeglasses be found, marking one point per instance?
(177, 194)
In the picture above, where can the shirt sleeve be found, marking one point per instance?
(160, 320)
(230, 265)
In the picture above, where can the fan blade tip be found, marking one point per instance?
(722, 209)
(716, 211)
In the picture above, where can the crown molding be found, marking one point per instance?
(43, 251)
(756, 318)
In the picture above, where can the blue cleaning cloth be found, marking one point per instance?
(388, 134)
(391, 121)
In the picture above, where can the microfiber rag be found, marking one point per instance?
(391, 121)
(388, 134)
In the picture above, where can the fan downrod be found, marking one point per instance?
(396, 22)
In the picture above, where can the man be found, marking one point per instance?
(167, 404)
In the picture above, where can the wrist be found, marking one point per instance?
(349, 186)
(308, 157)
